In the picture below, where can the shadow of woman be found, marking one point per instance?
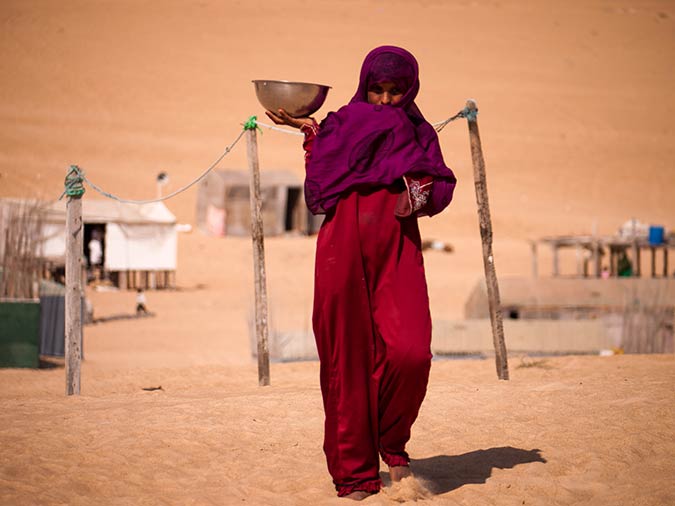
(444, 473)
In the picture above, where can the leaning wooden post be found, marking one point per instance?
(486, 238)
(258, 254)
(74, 262)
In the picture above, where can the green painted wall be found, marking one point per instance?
(20, 334)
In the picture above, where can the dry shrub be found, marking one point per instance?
(20, 241)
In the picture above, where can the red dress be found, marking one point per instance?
(372, 327)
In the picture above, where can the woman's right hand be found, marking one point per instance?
(281, 117)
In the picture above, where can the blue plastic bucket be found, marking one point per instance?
(656, 235)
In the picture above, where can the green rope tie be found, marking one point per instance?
(73, 183)
(252, 124)
(470, 115)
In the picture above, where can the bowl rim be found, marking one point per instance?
(256, 81)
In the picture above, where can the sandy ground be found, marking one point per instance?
(576, 110)
(574, 430)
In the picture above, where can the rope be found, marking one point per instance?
(73, 183)
(75, 178)
(150, 201)
(464, 113)
(470, 115)
(252, 124)
(282, 130)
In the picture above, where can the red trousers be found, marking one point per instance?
(373, 332)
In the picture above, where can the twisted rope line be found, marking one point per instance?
(282, 130)
(73, 183)
(464, 113)
(74, 179)
(150, 201)
(470, 115)
(252, 124)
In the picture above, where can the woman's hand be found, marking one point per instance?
(281, 117)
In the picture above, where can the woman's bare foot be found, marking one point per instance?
(358, 495)
(397, 473)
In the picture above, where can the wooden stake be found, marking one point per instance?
(258, 260)
(73, 316)
(597, 259)
(636, 259)
(535, 267)
(653, 252)
(556, 259)
(486, 238)
(580, 261)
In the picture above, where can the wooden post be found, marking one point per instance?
(612, 262)
(665, 261)
(653, 252)
(535, 269)
(73, 299)
(598, 259)
(636, 258)
(580, 260)
(486, 239)
(258, 259)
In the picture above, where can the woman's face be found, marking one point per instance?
(384, 93)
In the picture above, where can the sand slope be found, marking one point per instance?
(575, 97)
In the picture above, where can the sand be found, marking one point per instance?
(576, 110)
(573, 430)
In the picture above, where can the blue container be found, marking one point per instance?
(655, 235)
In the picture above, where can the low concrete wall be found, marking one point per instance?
(526, 336)
(474, 337)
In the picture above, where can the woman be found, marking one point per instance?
(372, 167)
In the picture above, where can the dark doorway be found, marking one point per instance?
(292, 202)
(94, 249)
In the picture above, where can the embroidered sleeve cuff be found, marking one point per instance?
(416, 195)
(310, 131)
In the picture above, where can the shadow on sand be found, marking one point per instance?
(48, 362)
(444, 473)
(122, 316)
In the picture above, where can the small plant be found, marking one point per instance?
(527, 362)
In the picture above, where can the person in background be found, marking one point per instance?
(141, 309)
(95, 254)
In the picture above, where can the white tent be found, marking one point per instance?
(138, 238)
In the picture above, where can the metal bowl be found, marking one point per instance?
(297, 99)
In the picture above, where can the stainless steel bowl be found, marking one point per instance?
(297, 99)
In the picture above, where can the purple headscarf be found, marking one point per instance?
(375, 145)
